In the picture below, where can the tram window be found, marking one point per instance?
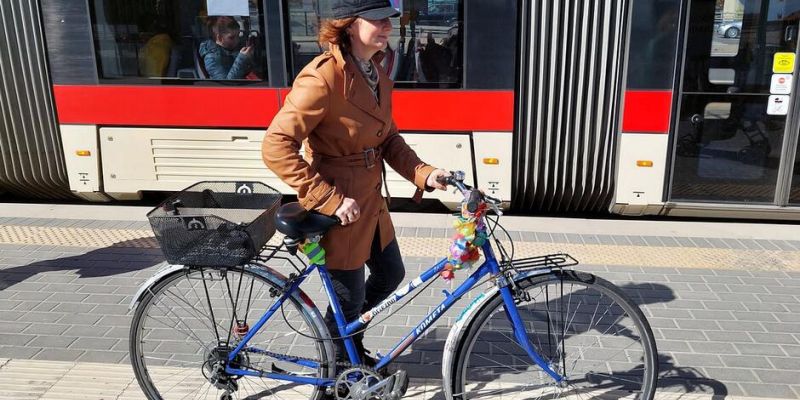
(727, 28)
(721, 76)
(179, 39)
(425, 47)
(653, 43)
(717, 111)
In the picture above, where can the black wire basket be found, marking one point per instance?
(215, 223)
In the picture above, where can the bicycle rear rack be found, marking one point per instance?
(548, 261)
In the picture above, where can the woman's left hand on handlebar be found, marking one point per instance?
(436, 178)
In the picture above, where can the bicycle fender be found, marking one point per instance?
(165, 270)
(459, 329)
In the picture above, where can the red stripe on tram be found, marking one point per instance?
(647, 111)
(120, 105)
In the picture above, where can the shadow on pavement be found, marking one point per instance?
(424, 361)
(119, 258)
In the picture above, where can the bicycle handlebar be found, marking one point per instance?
(474, 198)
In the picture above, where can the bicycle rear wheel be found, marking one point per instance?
(585, 328)
(192, 319)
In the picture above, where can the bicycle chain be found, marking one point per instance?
(345, 364)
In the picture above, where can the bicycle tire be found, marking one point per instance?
(173, 319)
(487, 354)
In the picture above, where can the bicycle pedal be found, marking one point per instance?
(400, 385)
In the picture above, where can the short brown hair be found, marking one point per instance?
(222, 25)
(334, 31)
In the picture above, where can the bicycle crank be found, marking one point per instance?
(362, 383)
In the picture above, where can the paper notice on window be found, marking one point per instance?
(228, 7)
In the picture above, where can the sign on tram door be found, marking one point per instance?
(781, 84)
(778, 105)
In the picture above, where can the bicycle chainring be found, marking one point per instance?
(352, 384)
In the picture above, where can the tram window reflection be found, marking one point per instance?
(176, 39)
(425, 48)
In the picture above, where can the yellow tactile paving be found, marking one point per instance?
(433, 247)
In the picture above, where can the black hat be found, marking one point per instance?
(368, 9)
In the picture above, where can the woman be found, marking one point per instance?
(340, 106)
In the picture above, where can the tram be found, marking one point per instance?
(657, 107)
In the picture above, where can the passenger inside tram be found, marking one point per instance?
(224, 56)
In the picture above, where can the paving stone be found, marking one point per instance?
(93, 343)
(112, 357)
(758, 349)
(15, 339)
(725, 336)
(698, 360)
(45, 317)
(774, 338)
(19, 351)
(13, 327)
(754, 361)
(46, 329)
(705, 325)
(677, 334)
(777, 298)
(713, 315)
(765, 390)
(773, 376)
(53, 341)
(58, 354)
(741, 326)
(779, 327)
(791, 351)
(713, 348)
(74, 307)
(722, 305)
(731, 374)
(785, 363)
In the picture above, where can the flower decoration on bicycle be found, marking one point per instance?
(469, 237)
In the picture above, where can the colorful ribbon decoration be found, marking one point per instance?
(469, 237)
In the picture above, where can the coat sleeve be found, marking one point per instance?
(305, 107)
(403, 159)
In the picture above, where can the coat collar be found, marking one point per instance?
(357, 90)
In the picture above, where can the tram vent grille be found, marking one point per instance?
(31, 158)
(569, 99)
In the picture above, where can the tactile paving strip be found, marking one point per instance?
(681, 257)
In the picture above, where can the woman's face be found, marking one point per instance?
(370, 34)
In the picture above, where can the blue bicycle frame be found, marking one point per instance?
(346, 329)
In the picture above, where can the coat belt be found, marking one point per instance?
(367, 159)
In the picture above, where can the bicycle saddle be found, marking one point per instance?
(296, 222)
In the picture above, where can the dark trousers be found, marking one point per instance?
(386, 272)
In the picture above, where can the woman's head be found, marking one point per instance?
(361, 27)
(225, 32)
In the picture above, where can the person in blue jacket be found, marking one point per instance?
(222, 56)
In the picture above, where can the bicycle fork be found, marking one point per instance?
(521, 335)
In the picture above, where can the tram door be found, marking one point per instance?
(735, 141)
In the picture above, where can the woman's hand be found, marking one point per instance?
(348, 212)
(435, 177)
(246, 51)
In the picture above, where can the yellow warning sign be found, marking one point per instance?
(783, 63)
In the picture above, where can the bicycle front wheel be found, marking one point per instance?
(584, 328)
(191, 320)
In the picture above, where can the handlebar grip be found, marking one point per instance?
(474, 200)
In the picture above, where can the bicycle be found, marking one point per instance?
(542, 329)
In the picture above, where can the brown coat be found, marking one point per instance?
(332, 110)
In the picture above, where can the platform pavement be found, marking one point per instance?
(723, 298)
